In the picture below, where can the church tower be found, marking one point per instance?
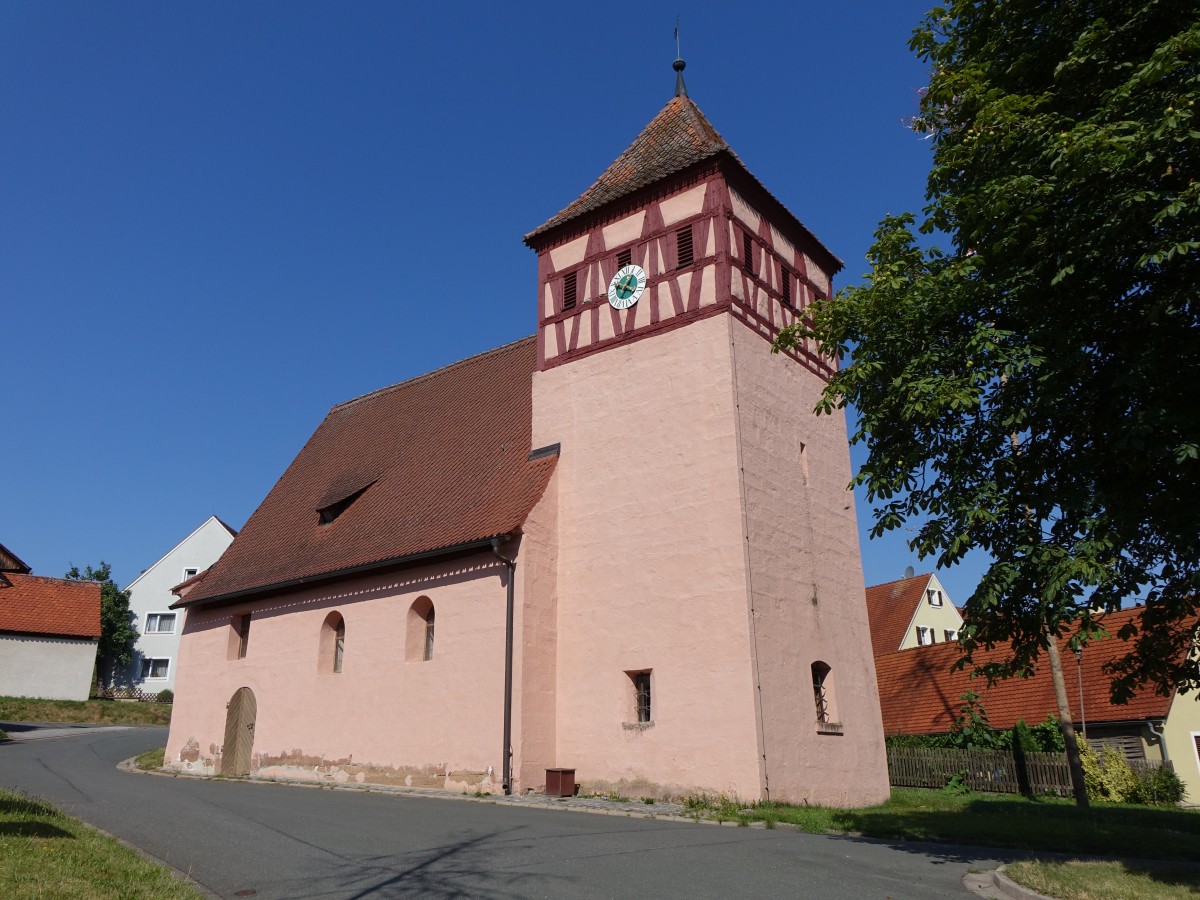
(711, 627)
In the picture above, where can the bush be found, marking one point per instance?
(1107, 776)
(1159, 786)
(166, 696)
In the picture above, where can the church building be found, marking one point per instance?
(623, 546)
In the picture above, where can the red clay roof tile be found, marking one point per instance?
(32, 604)
(443, 459)
(919, 694)
(890, 607)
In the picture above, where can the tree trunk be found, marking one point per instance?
(1065, 720)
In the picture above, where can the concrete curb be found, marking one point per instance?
(1011, 889)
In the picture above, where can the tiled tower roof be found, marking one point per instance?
(678, 137)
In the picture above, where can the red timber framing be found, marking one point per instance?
(758, 303)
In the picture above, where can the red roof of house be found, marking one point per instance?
(432, 463)
(890, 609)
(32, 604)
(919, 694)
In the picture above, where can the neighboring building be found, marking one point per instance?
(915, 611)
(640, 496)
(150, 597)
(920, 694)
(49, 629)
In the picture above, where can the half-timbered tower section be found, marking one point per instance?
(709, 594)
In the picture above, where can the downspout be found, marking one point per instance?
(506, 755)
(1160, 737)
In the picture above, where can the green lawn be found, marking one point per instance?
(985, 820)
(151, 759)
(1113, 880)
(44, 853)
(107, 712)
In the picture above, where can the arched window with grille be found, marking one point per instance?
(824, 698)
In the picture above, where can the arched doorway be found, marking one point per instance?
(239, 733)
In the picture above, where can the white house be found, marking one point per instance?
(150, 599)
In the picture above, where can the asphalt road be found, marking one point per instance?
(291, 842)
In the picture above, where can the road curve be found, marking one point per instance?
(287, 842)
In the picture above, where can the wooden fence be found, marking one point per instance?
(1001, 771)
(99, 692)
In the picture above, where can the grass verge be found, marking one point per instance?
(1108, 880)
(151, 759)
(96, 712)
(1008, 821)
(44, 853)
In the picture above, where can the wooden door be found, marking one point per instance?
(239, 733)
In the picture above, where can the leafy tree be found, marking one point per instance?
(117, 634)
(1032, 390)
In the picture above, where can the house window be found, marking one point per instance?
(418, 641)
(820, 677)
(243, 631)
(332, 648)
(785, 285)
(190, 572)
(924, 636)
(160, 623)
(747, 252)
(685, 252)
(934, 597)
(641, 696)
(155, 668)
(624, 258)
(950, 635)
(570, 288)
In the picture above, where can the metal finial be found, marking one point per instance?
(679, 65)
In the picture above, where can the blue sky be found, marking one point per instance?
(219, 219)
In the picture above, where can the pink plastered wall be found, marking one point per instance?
(651, 569)
(382, 718)
(806, 584)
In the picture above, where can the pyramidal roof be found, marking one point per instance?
(678, 137)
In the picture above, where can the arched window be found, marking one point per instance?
(823, 693)
(418, 642)
(332, 653)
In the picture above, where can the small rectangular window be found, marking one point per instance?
(160, 623)
(747, 252)
(155, 668)
(641, 695)
(934, 597)
(785, 285)
(570, 286)
(950, 635)
(624, 258)
(924, 636)
(243, 635)
(190, 572)
(683, 245)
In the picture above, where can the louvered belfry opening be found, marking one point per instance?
(785, 285)
(748, 252)
(683, 245)
(624, 258)
(570, 286)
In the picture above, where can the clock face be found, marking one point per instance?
(626, 287)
